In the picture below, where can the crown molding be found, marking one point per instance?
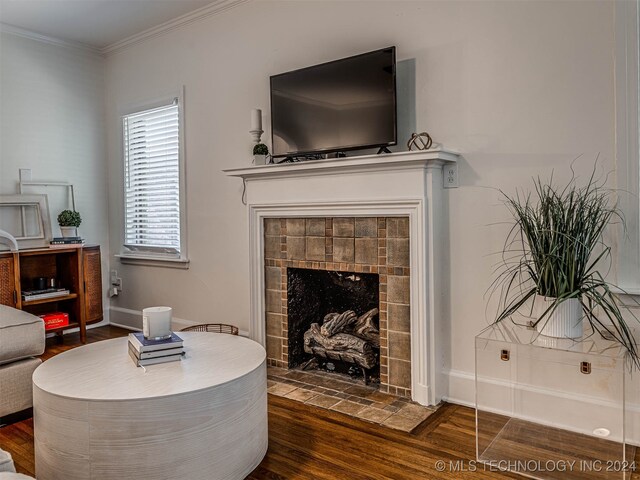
(213, 8)
(39, 37)
(218, 6)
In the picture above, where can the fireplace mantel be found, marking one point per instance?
(361, 164)
(401, 184)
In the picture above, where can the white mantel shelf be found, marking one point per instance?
(363, 164)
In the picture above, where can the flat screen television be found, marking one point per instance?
(346, 104)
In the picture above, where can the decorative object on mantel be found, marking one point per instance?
(551, 258)
(69, 221)
(260, 152)
(422, 141)
(256, 124)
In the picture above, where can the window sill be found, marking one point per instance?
(151, 261)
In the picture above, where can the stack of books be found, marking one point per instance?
(145, 352)
(66, 242)
(29, 295)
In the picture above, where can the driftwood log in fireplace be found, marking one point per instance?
(346, 337)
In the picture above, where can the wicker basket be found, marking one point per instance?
(212, 328)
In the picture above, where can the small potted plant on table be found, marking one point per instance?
(69, 221)
(260, 152)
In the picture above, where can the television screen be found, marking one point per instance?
(337, 106)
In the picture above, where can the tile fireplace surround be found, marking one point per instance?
(404, 190)
(347, 244)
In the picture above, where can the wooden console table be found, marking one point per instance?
(98, 416)
(76, 269)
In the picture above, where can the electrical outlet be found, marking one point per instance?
(116, 281)
(450, 175)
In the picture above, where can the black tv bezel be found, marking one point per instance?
(344, 148)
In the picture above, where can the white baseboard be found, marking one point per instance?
(126, 327)
(546, 406)
(132, 320)
(462, 388)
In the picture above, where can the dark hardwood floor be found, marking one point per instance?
(55, 346)
(307, 442)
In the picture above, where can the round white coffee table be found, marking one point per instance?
(98, 416)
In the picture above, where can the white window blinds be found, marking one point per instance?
(152, 180)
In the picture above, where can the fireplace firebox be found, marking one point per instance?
(333, 321)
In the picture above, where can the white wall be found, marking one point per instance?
(52, 121)
(519, 88)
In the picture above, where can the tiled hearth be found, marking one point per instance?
(339, 394)
(377, 245)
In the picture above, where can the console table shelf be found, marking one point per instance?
(77, 269)
(71, 296)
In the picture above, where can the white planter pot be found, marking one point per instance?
(259, 159)
(564, 322)
(69, 231)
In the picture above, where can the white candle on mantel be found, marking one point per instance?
(256, 119)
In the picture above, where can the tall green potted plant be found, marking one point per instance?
(551, 262)
(69, 221)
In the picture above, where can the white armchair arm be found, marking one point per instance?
(7, 238)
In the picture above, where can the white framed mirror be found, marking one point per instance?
(26, 217)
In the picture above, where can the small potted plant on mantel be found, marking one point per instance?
(551, 259)
(69, 221)
(260, 152)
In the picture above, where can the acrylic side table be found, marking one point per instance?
(551, 408)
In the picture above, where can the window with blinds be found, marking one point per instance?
(152, 181)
